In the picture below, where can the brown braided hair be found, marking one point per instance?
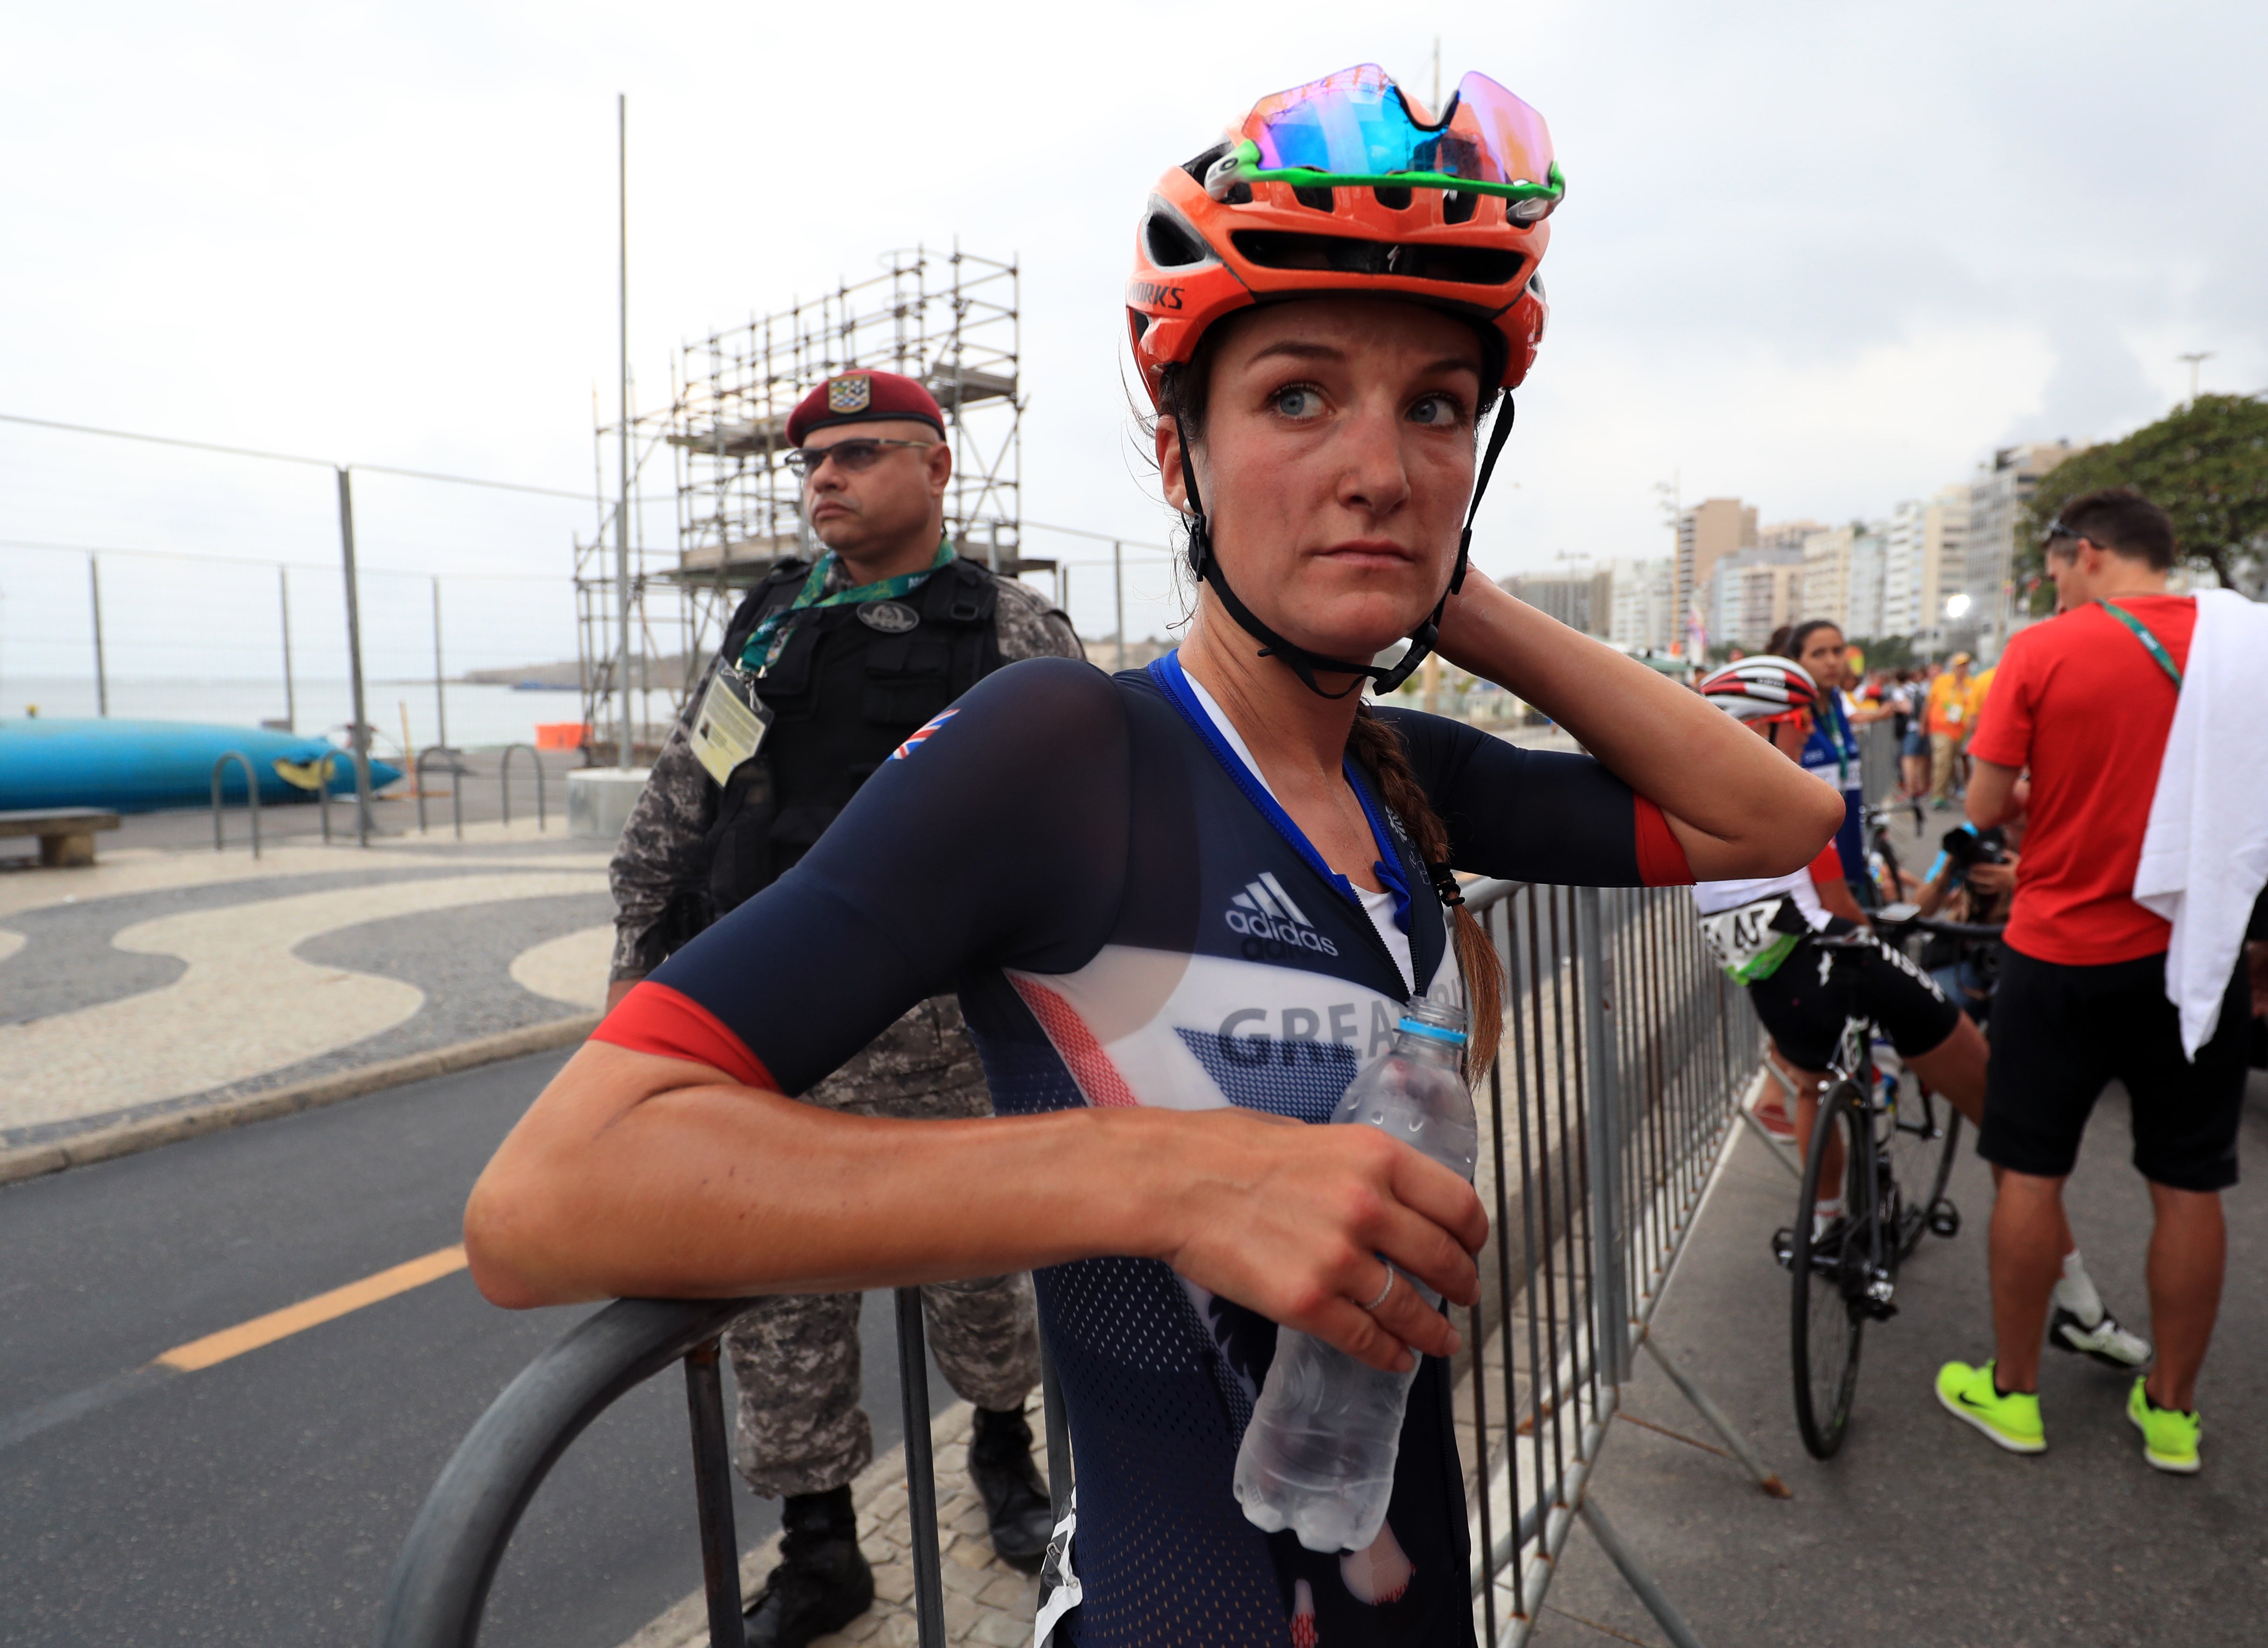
(1378, 748)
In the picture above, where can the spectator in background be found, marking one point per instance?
(1951, 708)
(1913, 743)
(1831, 753)
(2087, 707)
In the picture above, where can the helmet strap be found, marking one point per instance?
(1205, 565)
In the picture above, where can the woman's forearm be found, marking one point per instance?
(1737, 805)
(638, 1175)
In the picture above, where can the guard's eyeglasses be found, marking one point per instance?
(2055, 529)
(853, 457)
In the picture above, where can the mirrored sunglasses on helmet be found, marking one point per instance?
(1355, 129)
(852, 456)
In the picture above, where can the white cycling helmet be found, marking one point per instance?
(1762, 688)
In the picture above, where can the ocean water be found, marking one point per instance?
(480, 716)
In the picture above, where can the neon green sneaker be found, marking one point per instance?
(2012, 1421)
(2169, 1437)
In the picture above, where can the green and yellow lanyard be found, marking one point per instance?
(2151, 644)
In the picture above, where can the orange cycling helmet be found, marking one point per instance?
(1343, 186)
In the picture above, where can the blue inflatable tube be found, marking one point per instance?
(143, 766)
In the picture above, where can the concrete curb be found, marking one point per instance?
(31, 1161)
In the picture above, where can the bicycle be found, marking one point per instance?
(1898, 1141)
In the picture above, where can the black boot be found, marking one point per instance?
(1015, 1498)
(822, 1582)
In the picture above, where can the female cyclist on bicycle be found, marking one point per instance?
(1765, 932)
(1181, 906)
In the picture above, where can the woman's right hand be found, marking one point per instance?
(1293, 1220)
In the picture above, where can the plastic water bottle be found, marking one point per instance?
(1318, 1457)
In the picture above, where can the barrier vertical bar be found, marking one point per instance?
(101, 674)
(1058, 1430)
(358, 738)
(290, 698)
(921, 1471)
(712, 1491)
(1609, 1300)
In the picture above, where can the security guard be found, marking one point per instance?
(826, 668)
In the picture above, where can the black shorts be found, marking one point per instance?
(1806, 1000)
(2059, 1035)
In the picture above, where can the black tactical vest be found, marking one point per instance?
(850, 684)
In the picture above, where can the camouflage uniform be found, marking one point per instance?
(795, 1358)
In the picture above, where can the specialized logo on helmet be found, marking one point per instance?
(850, 394)
(1154, 294)
(1264, 912)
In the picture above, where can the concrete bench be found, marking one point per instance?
(66, 834)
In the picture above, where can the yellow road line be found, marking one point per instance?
(266, 1330)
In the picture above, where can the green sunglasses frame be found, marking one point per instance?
(1554, 188)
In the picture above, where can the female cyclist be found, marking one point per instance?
(1831, 749)
(1762, 930)
(1182, 906)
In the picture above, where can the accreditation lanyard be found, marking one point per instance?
(2151, 644)
(764, 647)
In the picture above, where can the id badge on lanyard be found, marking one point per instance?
(730, 726)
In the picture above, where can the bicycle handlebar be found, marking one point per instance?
(1891, 915)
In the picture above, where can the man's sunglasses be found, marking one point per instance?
(853, 457)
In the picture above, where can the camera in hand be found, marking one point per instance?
(1967, 846)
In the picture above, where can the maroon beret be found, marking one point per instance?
(861, 397)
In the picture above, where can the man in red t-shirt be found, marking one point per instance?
(2085, 701)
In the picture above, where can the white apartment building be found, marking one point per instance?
(1827, 574)
(1996, 502)
(1924, 562)
(1643, 604)
(1753, 593)
(1862, 609)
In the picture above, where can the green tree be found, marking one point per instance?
(2205, 465)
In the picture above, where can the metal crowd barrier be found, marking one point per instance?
(251, 797)
(1609, 1109)
(1878, 759)
(451, 764)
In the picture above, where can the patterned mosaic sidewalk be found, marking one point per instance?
(986, 1601)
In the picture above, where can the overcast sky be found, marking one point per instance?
(1822, 257)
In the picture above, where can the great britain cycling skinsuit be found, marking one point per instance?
(1130, 919)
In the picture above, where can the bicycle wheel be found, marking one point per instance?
(1830, 1275)
(1920, 1135)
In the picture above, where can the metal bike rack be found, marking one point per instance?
(456, 771)
(504, 781)
(251, 797)
(441, 1580)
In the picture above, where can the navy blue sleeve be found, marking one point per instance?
(995, 836)
(1536, 816)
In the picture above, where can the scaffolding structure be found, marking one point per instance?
(949, 320)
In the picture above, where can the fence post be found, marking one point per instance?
(921, 1471)
(1601, 1069)
(712, 1489)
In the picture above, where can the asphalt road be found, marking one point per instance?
(263, 1500)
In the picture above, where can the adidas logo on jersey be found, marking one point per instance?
(1264, 911)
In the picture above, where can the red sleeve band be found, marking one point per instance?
(1827, 869)
(1660, 860)
(655, 1018)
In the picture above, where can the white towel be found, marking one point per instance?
(2204, 856)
